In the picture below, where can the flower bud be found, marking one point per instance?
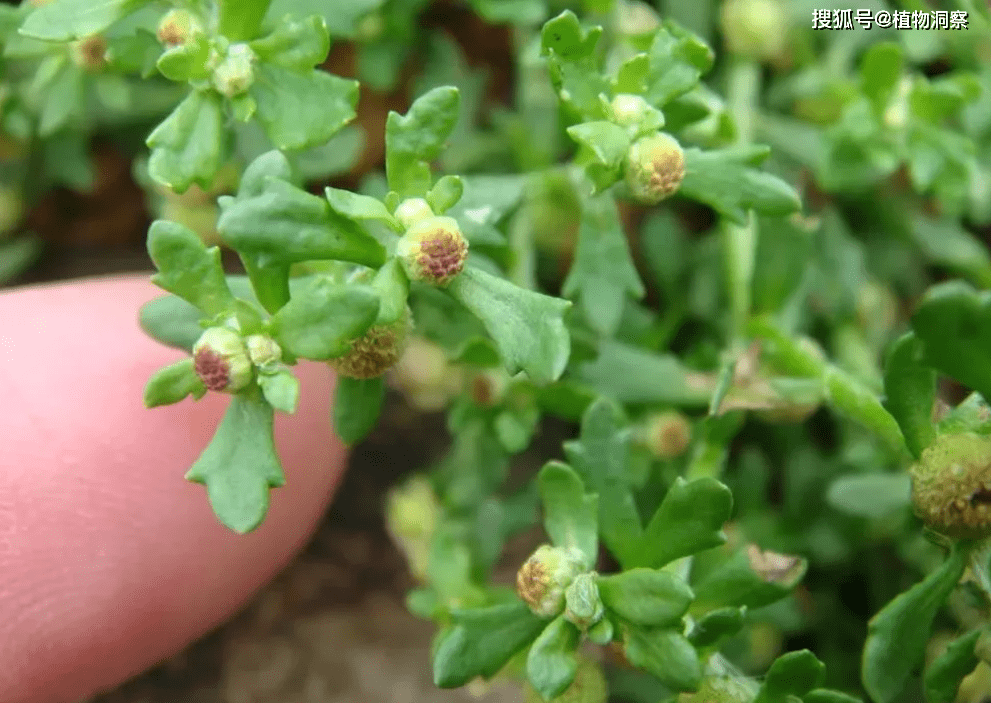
(637, 19)
(90, 53)
(655, 166)
(433, 250)
(629, 109)
(668, 434)
(176, 27)
(426, 377)
(951, 485)
(263, 351)
(411, 514)
(755, 29)
(376, 351)
(235, 73)
(583, 607)
(221, 360)
(412, 211)
(543, 578)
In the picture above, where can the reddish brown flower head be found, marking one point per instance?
(221, 360)
(433, 251)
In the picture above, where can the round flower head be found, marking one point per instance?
(655, 166)
(90, 53)
(755, 29)
(668, 434)
(235, 73)
(263, 351)
(221, 360)
(376, 351)
(544, 577)
(951, 485)
(176, 27)
(433, 250)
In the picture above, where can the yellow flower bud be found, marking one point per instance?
(655, 166)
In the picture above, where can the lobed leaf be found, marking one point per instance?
(527, 327)
(240, 464)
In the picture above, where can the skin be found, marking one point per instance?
(109, 560)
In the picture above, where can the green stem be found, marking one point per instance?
(240, 20)
(740, 243)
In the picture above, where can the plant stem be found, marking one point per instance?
(740, 243)
(240, 20)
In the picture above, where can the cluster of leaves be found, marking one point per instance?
(747, 388)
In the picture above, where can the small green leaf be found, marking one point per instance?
(910, 390)
(285, 224)
(527, 327)
(871, 496)
(570, 515)
(603, 275)
(716, 625)
(393, 289)
(302, 109)
(187, 147)
(723, 179)
(187, 61)
(482, 640)
(602, 632)
(172, 384)
(880, 73)
(359, 207)
(946, 242)
(735, 581)
(281, 390)
(944, 675)
(551, 664)
(65, 20)
(666, 654)
(297, 45)
(688, 520)
(632, 374)
(240, 21)
(646, 597)
(171, 321)
(445, 194)
(849, 396)
(953, 323)
(791, 674)
(357, 404)
(600, 458)
(187, 268)
(240, 464)
(322, 319)
(416, 138)
(897, 635)
(677, 60)
(607, 144)
(564, 36)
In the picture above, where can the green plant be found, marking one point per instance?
(726, 304)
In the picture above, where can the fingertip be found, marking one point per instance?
(111, 560)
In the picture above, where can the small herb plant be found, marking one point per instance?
(730, 272)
